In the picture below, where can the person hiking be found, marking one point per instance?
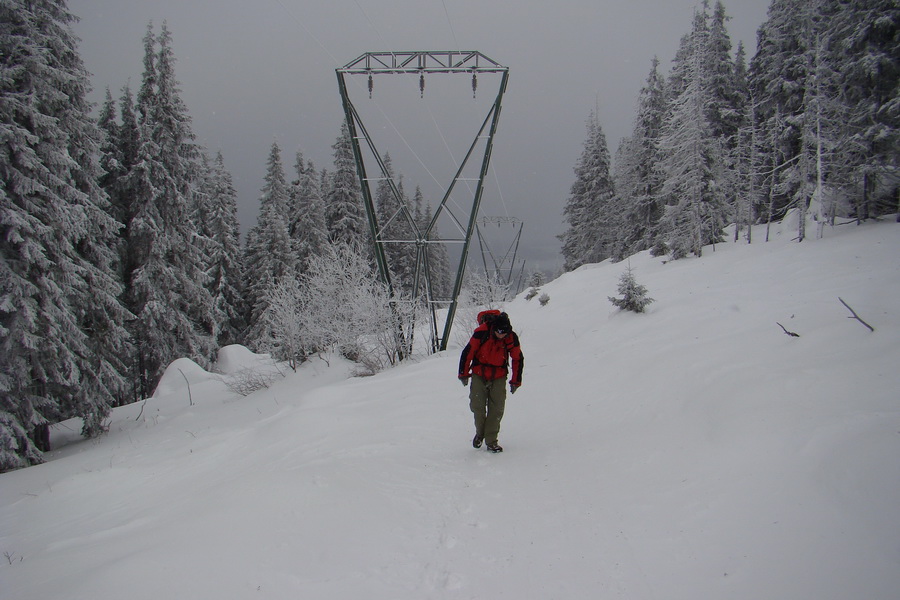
(486, 360)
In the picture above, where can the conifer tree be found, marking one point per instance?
(727, 102)
(724, 110)
(270, 257)
(127, 148)
(395, 220)
(308, 231)
(388, 211)
(226, 267)
(165, 274)
(744, 178)
(590, 212)
(779, 75)
(61, 327)
(634, 295)
(638, 171)
(436, 251)
(344, 211)
(866, 45)
(696, 210)
(824, 81)
(110, 155)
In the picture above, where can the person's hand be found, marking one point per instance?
(513, 388)
(465, 381)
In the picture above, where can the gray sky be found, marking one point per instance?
(256, 72)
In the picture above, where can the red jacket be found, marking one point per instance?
(490, 357)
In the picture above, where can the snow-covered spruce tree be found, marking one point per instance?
(696, 211)
(745, 179)
(344, 211)
(857, 104)
(408, 254)
(396, 223)
(269, 254)
(634, 295)
(307, 228)
(865, 44)
(726, 111)
(120, 155)
(590, 212)
(436, 252)
(727, 96)
(834, 147)
(825, 82)
(792, 75)
(60, 321)
(111, 160)
(225, 264)
(638, 173)
(165, 269)
(777, 76)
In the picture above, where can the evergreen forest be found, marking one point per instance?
(810, 125)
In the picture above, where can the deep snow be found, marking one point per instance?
(695, 451)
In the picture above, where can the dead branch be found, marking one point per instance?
(790, 333)
(856, 316)
(190, 397)
(143, 404)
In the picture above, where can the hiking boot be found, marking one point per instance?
(495, 447)
(476, 441)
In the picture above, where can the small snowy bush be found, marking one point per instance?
(345, 307)
(248, 380)
(281, 324)
(634, 295)
(544, 299)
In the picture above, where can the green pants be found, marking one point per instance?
(487, 400)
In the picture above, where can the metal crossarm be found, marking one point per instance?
(449, 61)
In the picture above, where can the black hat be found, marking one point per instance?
(501, 323)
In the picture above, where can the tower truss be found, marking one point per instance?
(502, 267)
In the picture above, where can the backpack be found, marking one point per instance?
(486, 317)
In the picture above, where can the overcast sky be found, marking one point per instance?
(256, 72)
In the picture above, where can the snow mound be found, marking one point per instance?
(236, 358)
(181, 374)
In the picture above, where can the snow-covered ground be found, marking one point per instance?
(692, 452)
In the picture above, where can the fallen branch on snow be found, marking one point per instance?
(790, 333)
(856, 316)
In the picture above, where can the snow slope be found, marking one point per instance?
(695, 451)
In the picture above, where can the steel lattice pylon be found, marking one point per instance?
(421, 63)
(506, 263)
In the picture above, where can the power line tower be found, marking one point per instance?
(502, 267)
(373, 64)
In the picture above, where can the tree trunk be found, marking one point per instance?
(41, 437)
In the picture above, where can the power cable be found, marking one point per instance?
(308, 32)
(450, 23)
